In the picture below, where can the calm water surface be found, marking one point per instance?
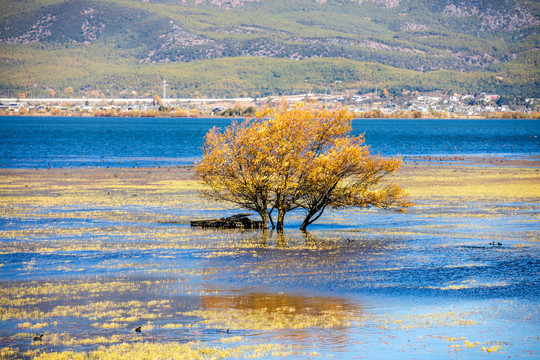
(126, 142)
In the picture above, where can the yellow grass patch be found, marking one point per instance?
(262, 319)
(470, 183)
(173, 351)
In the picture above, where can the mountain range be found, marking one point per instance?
(211, 48)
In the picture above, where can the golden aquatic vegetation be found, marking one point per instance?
(280, 318)
(106, 306)
(89, 288)
(477, 345)
(162, 189)
(462, 183)
(428, 320)
(24, 189)
(172, 351)
(28, 325)
(469, 284)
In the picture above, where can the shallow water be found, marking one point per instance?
(84, 261)
(89, 254)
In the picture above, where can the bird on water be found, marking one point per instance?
(38, 338)
(138, 329)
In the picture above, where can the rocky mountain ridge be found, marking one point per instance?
(423, 36)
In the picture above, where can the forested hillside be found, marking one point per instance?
(267, 47)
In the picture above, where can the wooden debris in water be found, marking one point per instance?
(240, 221)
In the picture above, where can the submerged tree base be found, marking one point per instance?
(240, 221)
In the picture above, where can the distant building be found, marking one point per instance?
(10, 106)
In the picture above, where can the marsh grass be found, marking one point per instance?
(146, 350)
(85, 262)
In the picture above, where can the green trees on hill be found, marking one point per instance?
(43, 71)
(126, 48)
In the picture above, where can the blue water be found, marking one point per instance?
(27, 142)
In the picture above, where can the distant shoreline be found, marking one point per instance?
(517, 115)
(362, 107)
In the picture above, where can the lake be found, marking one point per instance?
(127, 142)
(95, 241)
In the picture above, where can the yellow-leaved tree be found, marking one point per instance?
(299, 158)
(68, 91)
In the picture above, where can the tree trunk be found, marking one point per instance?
(271, 220)
(281, 242)
(264, 237)
(308, 220)
(280, 218)
(264, 217)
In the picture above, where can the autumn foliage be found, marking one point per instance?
(300, 158)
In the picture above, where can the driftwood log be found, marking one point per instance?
(240, 221)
